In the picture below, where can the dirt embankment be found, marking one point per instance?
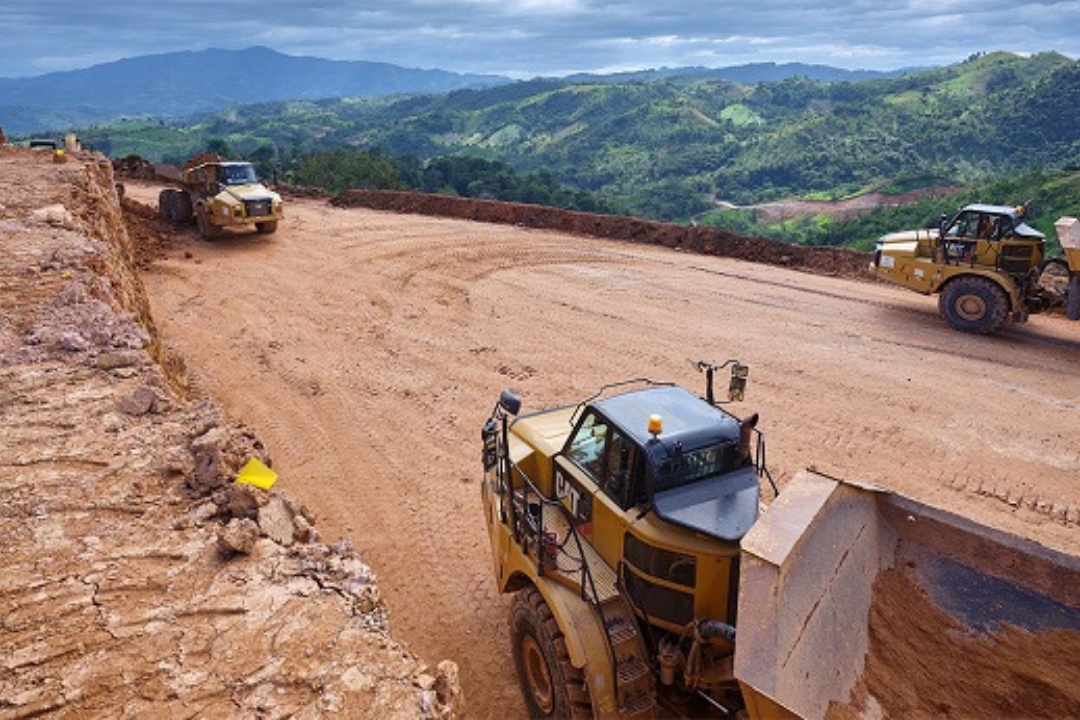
(139, 580)
(704, 240)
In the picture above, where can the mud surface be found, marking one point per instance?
(924, 663)
(367, 347)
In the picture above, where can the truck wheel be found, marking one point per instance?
(974, 305)
(164, 204)
(1054, 280)
(266, 227)
(553, 688)
(207, 231)
(182, 210)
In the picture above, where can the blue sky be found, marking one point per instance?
(526, 38)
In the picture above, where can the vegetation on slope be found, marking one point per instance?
(671, 148)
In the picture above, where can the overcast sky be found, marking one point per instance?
(526, 38)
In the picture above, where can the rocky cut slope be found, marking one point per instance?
(139, 579)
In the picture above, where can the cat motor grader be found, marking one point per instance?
(986, 265)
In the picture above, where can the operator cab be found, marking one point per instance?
(975, 235)
(990, 222)
(664, 449)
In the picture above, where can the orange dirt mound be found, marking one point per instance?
(704, 240)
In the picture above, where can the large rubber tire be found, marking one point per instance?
(183, 213)
(974, 305)
(266, 227)
(165, 204)
(553, 688)
(1054, 280)
(206, 230)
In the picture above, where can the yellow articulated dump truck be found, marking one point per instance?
(986, 265)
(648, 581)
(216, 194)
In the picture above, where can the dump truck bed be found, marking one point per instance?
(859, 602)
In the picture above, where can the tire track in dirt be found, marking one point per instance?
(387, 338)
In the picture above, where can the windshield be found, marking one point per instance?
(687, 468)
(237, 174)
(982, 225)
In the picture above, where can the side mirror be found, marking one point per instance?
(509, 402)
(737, 386)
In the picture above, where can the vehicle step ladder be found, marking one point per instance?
(635, 686)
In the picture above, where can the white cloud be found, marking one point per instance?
(524, 38)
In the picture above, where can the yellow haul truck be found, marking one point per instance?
(986, 265)
(648, 582)
(217, 194)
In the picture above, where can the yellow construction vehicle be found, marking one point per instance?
(618, 522)
(986, 265)
(630, 528)
(216, 194)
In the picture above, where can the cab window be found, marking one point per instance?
(588, 445)
(619, 469)
(964, 226)
(611, 460)
(982, 226)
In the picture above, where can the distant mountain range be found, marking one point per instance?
(185, 84)
(749, 74)
(668, 147)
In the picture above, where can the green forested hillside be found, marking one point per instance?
(668, 148)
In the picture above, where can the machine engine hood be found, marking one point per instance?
(723, 507)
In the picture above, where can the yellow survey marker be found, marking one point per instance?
(257, 474)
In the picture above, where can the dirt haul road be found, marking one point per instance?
(366, 348)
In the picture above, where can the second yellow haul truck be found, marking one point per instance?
(986, 265)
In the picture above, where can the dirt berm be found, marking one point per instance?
(138, 579)
(704, 240)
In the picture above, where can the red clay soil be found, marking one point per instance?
(704, 240)
(924, 663)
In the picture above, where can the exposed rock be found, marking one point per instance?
(57, 215)
(238, 501)
(239, 536)
(142, 401)
(209, 474)
(450, 699)
(276, 520)
(113, 599)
